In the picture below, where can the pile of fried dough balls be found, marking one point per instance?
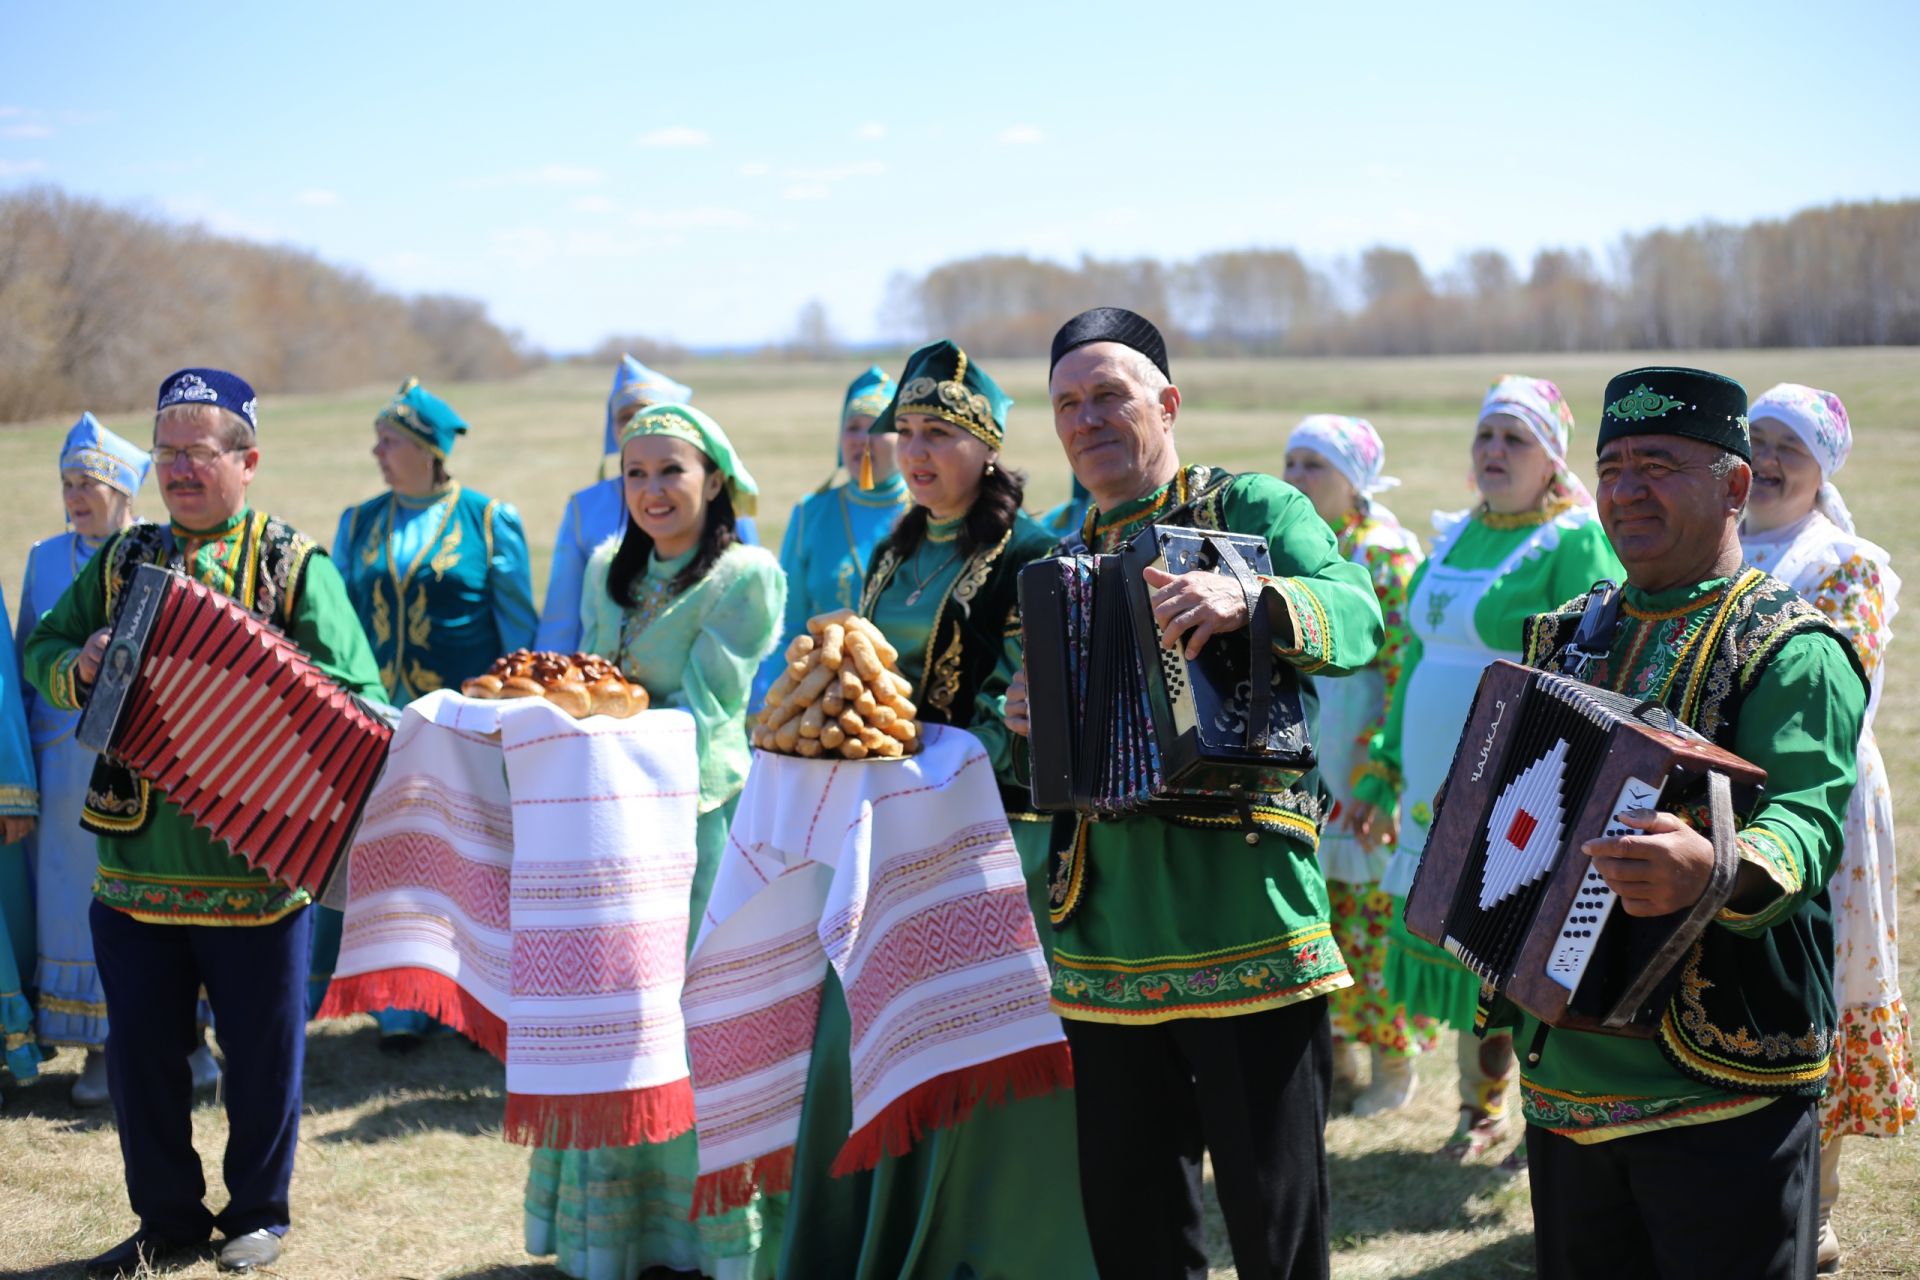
(841, 694)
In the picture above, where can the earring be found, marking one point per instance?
(989, 466)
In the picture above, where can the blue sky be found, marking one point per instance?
(700, 171)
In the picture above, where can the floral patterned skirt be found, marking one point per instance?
(1871, 1089)
(1364, 1012)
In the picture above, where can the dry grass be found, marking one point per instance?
(402, 1170)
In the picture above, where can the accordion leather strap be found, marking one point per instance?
(1726, 865)
(1260, 641)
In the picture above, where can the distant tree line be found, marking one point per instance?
(1843, 275)
(97, 304)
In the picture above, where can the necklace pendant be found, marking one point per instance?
(913, 597)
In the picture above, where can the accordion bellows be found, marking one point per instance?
(236, 726)
(1545, 764)
(1120, 724)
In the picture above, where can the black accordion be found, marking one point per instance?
(1546, 763)
(235, 725)
(1117, 723)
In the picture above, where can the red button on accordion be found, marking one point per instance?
(236, 726)
(1546, 763)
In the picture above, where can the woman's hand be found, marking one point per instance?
(14, 829)
(1371, 825)
(1016, 712)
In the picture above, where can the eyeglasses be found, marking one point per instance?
(200, 455)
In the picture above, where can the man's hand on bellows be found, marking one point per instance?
(93, 654)
(1196, 605)
(1662, 870)
(1016, 713)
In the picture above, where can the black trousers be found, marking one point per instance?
(1253, 1092)
(1734, 1198)
(256, 980)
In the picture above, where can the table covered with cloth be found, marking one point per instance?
(903, 876)
(525, 877)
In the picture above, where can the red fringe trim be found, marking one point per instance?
(432, 993)
(947, 1100)
(582, 1121)
(733, 1187)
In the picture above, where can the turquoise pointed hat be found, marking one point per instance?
(426, 417)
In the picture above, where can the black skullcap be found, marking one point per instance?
(1112, 324)
(1677, 402)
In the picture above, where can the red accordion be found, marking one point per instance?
(236, 726)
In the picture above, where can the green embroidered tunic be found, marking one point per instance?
(1799, 720)
(166, 870)
(1168, 921)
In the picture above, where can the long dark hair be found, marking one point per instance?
(987, 520)
(636, 548)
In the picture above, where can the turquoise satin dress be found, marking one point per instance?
(442, 585)
(19, 797)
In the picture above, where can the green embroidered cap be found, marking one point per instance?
(941, 382)
(1677, 402)
(684, 422)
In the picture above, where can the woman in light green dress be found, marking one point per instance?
(688, 612)
(1532, 544)
(996, 1197)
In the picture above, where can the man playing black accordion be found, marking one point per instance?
(168, 897)
(1192, 951)
(1694, 1153)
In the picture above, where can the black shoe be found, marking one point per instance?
(142, 1248)
(250, 1251)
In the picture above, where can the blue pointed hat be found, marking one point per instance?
(93, 450)
(634, 383)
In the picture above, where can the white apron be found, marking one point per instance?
(1439, 692)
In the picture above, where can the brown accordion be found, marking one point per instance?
(1548, 762)
(236, 726)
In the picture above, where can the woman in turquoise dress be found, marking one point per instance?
(1533, 543)
(99, 475)
(19, 807)
(439, 576)
(832, 533)
(687, 611)
(996, 1197)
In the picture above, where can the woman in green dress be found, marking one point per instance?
(1531, 544)
(996, 1197)
(688, 611)
(439, 576)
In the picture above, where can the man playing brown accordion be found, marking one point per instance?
(168, 896)
(1192, 952)
(1694, 1153)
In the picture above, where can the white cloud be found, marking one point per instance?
(1020, 135)
(685, 219)
(872, 130)
(26, 131)
(677, 135)
(806, 191)
(317, 197)
(593, 204)
(218, 220)
(523, 246)
(755, 169)
(547, 175)
(839, 173)
(17, 168)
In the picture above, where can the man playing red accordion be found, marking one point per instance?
(1193, 956)
(1694, 1153)
(168, 895)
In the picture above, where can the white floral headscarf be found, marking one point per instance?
(1350, 445)
(1538, 403)
(1820, 420)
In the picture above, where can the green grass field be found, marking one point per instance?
(402, 1169)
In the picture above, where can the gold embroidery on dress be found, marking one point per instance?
(421, 680)
(943, 678)
(419, 625)
(382, 616)
(1741, 1040)
(883, 571)
(448, 556)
